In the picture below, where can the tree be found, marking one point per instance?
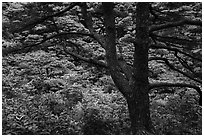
(170, 36)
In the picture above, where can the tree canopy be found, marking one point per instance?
(59, 56)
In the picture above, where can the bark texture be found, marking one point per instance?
(138, 102)
(134, 83)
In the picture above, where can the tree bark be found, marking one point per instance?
(133, 85)
(138, 101)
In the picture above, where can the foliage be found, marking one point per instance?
(76, 105)
(176, 114)
(48, 90)
(36, 103)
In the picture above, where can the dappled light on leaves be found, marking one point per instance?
(93, 68)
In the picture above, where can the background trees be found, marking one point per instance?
(56, 37)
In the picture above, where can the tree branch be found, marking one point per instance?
(42, 19)
(110, 46)
(156, 46)
(183, 63)
(173, 68)
(157, 85)
(88, 60)
(6, 51)
(176, 40)
(89, 25)
(175, 24)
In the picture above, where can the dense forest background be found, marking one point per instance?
(71, 68)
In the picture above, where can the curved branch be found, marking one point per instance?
(176, 40)
(6, 51)
(110, 46)
(42, 19)
(183, 63)
(89, 25)
(164, 84)
(175, 24)
(88, 60)
(156, 46)
(173, 68)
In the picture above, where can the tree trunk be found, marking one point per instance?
(134, 84)
(138, 102)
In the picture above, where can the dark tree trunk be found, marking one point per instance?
(138, 102)
(133, 84)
